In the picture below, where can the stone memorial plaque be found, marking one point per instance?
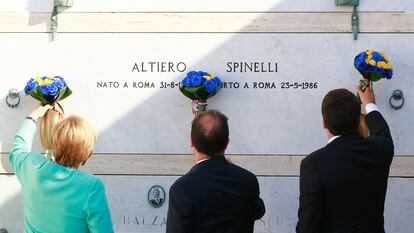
(127, 86)
(131, 212)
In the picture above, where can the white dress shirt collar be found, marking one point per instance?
(333, 138)
(199, 161)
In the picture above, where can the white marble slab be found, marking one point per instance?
(204, 5)
(157, 120)
(131, 212)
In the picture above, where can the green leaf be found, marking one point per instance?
(37, 94)
(199, 93)
(374, 76)
(191, 92)
(63, 93)
(187, 93)
(33, 94)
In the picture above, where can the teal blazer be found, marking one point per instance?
(57, 199)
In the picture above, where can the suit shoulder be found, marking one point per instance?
(185, 187)
(316, 155)
(183, 181)
(242, 170)
(244, 174)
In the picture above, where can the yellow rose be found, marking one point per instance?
(382, 65)
(212, 75)
(42, 82)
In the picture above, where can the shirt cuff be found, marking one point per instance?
(371, 107)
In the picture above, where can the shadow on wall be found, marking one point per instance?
(11, 200)
(8, 128)
(4, 163)
(34, 19)
(33, 5)
(11, 204)
(15, 116)
(11, 207)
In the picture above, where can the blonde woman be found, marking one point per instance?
(57, 197)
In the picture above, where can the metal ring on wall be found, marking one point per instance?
(13, 94)
(397, 95)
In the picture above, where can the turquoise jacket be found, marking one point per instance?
(57, 199)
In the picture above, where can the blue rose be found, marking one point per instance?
(382, 71)
(191, 73)
(61, 79)
(31, 85)
(389, 74)
(186, 81)
(59, 83)
(196, 81)
(210, 85)
(44, 89)
(217, 80)
(360, 58)
(376, 56)
(202, 73)
(50, 89)
(359, 62)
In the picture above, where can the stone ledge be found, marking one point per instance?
(171, 165)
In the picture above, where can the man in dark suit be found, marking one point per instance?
(215, 196)
(343, 185)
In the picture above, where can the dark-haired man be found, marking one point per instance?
(215, 195)
(343, 185)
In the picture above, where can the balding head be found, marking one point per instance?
(210, 133)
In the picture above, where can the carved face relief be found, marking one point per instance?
(156, 196)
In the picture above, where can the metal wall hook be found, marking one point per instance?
(13, 99)
(355, 17)
(397, 99)
(355, 22)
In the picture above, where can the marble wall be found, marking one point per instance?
(131, 212)
(124, 63)
(127, 86)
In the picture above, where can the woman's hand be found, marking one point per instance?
(40, 111)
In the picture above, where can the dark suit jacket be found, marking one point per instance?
(215, 196)
(343, 185)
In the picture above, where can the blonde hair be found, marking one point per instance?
(73, 139)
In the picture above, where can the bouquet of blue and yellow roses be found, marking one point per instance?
(48, 90)
(373, 66)
(200, 86)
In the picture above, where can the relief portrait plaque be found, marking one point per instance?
(156, 196)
